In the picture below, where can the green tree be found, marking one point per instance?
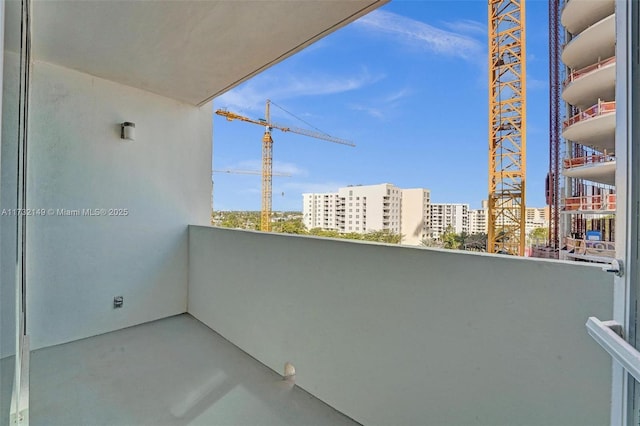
(476, 242)
(450, 238)
(383, 236)
(430, 242)
(541, 234)
(461, 239)
(351, 236)
(319, 232)
(290, 226)
(232, 220)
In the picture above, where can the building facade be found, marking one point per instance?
(370, 208)
(537, 217)
(478, 221)
(416, 216)
(408, 212)
(320, 211)
(588, 203)
(356, 208)
(445, 216)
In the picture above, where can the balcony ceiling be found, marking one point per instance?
(600, 172)
(597, 132)
(595, 43)
(597, 84)
(191, 51)
(579, 14)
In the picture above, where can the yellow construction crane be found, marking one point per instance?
(507, 127)
(267, 153)
(242, 172)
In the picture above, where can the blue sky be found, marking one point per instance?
(408, 85)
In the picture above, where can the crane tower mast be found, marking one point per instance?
(267, 153)
(507, 127)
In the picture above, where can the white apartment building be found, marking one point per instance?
(537, 217)
(320, 210)
(416, 216)
(409, 212)
(444, 216)
(370, 208)
(367, 208)
(478, 221)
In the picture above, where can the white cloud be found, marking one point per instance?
(396, 96)
(374, 112)
(252, 95)
(468, 26)
(389, 101)
(437, 40)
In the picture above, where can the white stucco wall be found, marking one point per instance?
(76, 265)
(395, 335)
(8, 200)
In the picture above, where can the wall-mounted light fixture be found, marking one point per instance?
(128, 131)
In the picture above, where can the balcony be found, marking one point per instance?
(593, 251)
(591, 45)
(329, 337)
(578, 15)
(593, 127)
(596, 168)
(262, 294)
(584, 87)
(378, 334)
(605, 204)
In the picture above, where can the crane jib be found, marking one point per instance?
(267, 160)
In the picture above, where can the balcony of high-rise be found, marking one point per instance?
(171, 321)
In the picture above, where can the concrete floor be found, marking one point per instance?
(174, 371)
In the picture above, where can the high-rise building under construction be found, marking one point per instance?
(586, 196)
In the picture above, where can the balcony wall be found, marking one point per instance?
(77, 264)
(406, 336)
(8, 200)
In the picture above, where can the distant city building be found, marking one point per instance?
(320, 211)
(358, 208)
(409, 212)
(415, 221)
(478, 221)
(537, 217)
(444, 216)
(371, 208)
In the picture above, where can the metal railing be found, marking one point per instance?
(590, 203)
(589, 159)
(575, 75)
(590, 248)
(598, 109)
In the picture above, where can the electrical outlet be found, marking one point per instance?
(118, 302)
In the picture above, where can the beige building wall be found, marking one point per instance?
(371, 208)
(415, 218)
